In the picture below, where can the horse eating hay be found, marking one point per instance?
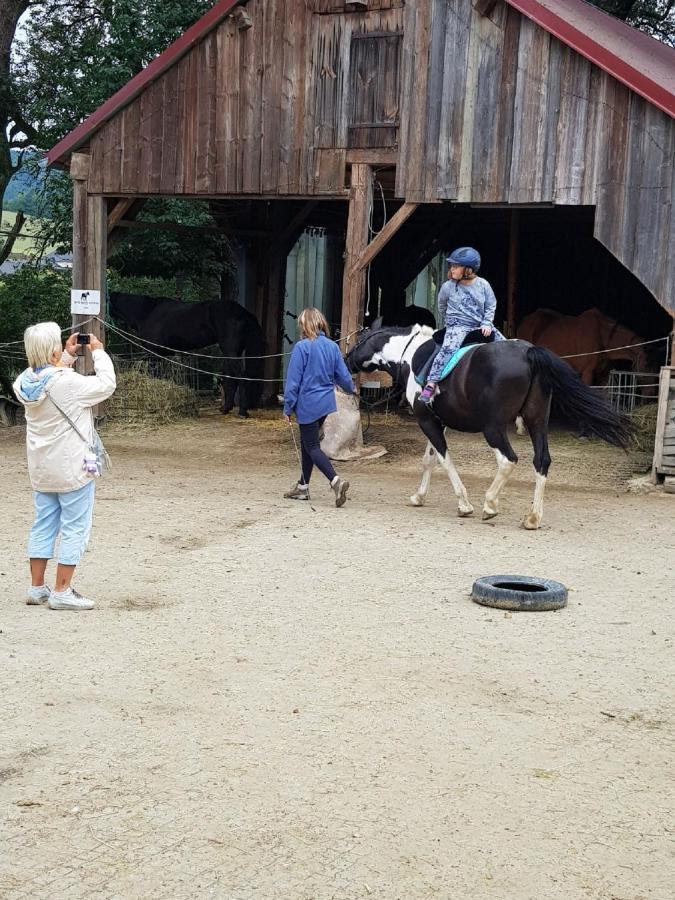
(489, 387)
(191, 326)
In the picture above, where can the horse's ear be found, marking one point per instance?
(376, 323)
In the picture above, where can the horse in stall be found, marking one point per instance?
(490, 386)
(185, 326)
(580, 336)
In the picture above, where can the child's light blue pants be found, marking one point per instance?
(69, 513)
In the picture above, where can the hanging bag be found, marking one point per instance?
(96, 460)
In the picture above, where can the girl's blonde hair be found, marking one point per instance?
(41, 341)
(312, 321)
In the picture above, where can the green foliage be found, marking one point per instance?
(197, 257)
(28, 296)
(178, 288)
(656, 17)
(32, 295)
(69, 57)
(76, 54)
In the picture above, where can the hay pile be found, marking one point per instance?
(644, 423)
(142, 398)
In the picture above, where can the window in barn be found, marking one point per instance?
(374, 83)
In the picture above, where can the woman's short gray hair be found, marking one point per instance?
(41, 341)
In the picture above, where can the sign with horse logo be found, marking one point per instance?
(85, 302)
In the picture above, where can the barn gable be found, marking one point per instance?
(483, 103)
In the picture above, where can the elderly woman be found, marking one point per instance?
(63, 487)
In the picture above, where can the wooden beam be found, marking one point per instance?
(484, 7)
(370, 252)
(354, 281)
(297, 223)
(194, 229)
(119, 211)
(384, 157)
(115, 235)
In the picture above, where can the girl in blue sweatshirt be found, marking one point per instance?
(315, 368)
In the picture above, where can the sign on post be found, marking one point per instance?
(85, 302)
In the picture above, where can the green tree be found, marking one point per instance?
(12, 126)
(70, 56)
(656, 17)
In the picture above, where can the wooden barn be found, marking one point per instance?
(541, 131)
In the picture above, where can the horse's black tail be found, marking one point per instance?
(576, 402)
(254, 365)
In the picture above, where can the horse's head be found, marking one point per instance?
(384, 347)
(131, 310)
(123, 308)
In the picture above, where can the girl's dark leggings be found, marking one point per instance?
(312, 454)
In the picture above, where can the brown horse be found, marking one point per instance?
(591, 331)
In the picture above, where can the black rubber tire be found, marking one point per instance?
(535, 595)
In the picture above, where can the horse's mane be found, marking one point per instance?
(396, 330)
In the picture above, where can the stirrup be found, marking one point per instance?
(427, 394)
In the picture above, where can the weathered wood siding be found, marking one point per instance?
(482, 109)
(268, 110)
(496, 110)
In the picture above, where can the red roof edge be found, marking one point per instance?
(637, 81)
(67, 145)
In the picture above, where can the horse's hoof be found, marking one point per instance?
(490, 514)
(531, 521)
(416, 500)
(224, 411)
(243, 415)
(465, 513)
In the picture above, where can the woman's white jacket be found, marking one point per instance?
(55, 450)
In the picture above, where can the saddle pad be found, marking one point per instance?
(450, 365)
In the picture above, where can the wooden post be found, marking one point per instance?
(90, 231)
(96, 256)
(79, 173)
(273, 315)
(354, 282)
(512, 274)
(661, 422)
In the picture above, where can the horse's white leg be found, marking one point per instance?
(533, 519)
(504, 469)
(520, 426)
(464, 508)
(428, 462)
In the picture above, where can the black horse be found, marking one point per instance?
(191, 326)
(491, 385)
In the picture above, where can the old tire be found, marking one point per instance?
(519, 592)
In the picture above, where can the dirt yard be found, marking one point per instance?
(270, 702)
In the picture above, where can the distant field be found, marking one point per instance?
(25, 245)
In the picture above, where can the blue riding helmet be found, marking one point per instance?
(465, 256)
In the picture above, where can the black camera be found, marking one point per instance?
(83, 339)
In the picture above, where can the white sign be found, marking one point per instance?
(85, 303)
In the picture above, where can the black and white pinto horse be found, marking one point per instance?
(489, 388)
(191, 326)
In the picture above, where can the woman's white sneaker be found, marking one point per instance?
(37, 595)
(69, 599)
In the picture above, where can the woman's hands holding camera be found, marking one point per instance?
(73, 343)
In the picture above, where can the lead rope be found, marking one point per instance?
(297, 453)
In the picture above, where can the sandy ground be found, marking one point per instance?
(270, 702)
